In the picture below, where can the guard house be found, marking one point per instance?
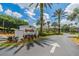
(25, 30)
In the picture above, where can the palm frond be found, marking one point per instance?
(50, 5)
(30, 4)
(45, 5)
(37, 5)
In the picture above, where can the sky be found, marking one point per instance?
(32, 14)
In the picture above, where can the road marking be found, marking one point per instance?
(54, 47)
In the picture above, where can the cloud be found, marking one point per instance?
(26, 6)
(8, 12)
(30, 14)
(65, 21)
(16, 14)
(37, 26)
(46, 17)
(69, 22)
(22, 5)
(70, 7)
(1, 8)
(29, 10)
(11, 13)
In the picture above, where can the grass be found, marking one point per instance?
(75, 39)
(49, 33)
(74, 33)
(6, 44)
(11, 43)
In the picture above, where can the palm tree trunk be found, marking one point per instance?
(48, 27)
(59, 30)
(3, 27)
(41, 17)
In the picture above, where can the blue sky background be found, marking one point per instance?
(25, 12)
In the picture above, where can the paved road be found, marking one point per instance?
(68, 48)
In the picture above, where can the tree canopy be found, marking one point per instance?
(11, 22)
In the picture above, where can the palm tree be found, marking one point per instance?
(42, 5)
(59, 14)
(74, 15)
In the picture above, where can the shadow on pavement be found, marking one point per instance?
(5, 46)
(18, 49)
(29, 45)
(11, 48)
(40, 42)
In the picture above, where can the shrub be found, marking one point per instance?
(12, 39)
(46, 33)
